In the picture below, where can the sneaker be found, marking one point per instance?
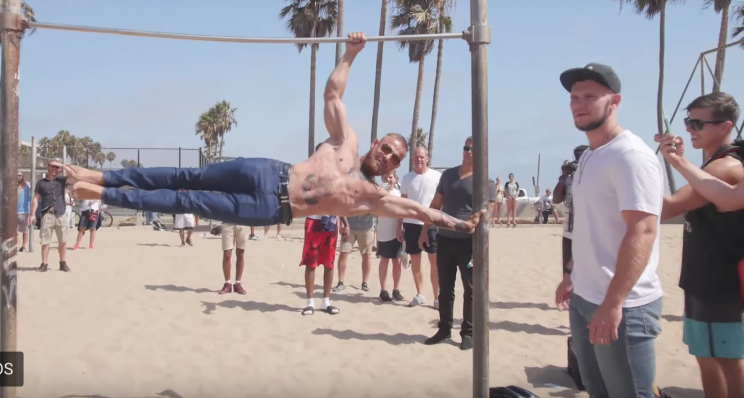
(397, 296)
(226, 288)
(280, 237)
(188, 241)
(385, 296)
(467, 343)
(42, 267)
(254, 237)
(365, 287)
(75, 247)
(238, 289)
(338, 287)
(90, 247)
(63, 266)
(417, 300)
(439, 337)
(22, 249)
(436, 304)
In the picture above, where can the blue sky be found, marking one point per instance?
(141, 92)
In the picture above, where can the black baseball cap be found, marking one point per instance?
(599, 73)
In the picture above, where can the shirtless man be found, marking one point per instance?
(260, 192)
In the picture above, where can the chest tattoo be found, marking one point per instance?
(315, 188)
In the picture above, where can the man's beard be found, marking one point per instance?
(368, 168)
(597, 123)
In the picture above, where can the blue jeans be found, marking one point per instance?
(241, 191)
(627, 367)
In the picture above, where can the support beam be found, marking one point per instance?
(10, 40)
(479, 36)
(232, 39)
(33, 186)
(339, 30)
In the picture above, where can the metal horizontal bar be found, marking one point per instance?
(153, 149)
(704, 53)
(231, 39)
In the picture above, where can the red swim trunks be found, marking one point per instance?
(320, 245)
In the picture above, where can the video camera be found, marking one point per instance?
(570, 166)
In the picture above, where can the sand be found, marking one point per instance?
(139, 316)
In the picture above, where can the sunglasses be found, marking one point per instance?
(55, 167)
(467, 148)
(697, 124)
(387, 150)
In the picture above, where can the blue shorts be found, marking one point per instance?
(713, 329)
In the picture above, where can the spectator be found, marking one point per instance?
(49, 199)
(24, 210)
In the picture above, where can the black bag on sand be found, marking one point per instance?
(510, 392)
(216, 231)
(573, 366)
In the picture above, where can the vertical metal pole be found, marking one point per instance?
(378, 71)
(10, 40)
(479, 40)
(64, 156)
(33, 186)
(179, 157)
(702, 74)
(339, 29)
(138, 158)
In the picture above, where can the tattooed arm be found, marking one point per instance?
(394, 207)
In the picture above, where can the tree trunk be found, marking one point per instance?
(311, 127)
(721, 53)
(660, 91)
(416, 109)
(435, 102)
(378, 71)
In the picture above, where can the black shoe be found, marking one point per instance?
(338, 287)
(397, 296)
(43, 267)
(22, 249)
(467, 343)
(385, 296)
(63, 266)
(365, 287)
(439, 337)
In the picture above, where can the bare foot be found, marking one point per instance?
(86, 191)
(77, 173)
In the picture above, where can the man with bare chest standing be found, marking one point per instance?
(335, 180)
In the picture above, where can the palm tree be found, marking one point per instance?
(110, 157)
(205, 128)
(224, 119)
(445, 26)
(722, 7)
(413, 17)
(738, 16)
(378, 71)
(651, 8)
(419, 139)
(311, 18)
(28, 13)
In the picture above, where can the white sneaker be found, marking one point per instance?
(436, 304)
(417, 300)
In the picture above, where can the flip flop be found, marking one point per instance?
(331, 310)
(308, 311)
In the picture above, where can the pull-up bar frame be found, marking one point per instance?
(478, 36)
(233, 39)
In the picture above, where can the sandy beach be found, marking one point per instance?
(140, 317)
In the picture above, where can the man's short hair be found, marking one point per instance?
(723, 105)
(401, 140)
(579, 150)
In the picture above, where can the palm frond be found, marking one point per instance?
(738, 16)
(718, 5)
(414, 17)
(304, 15)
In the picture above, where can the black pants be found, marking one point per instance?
(451, 255)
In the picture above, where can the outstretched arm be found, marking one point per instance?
(395, 207)
(725, 196)
(334, 113)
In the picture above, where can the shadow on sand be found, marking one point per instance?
(551, 374)
(174, 288)
(512, 305)
(392, 339)
(164, 394)
(672, 318)
(247, 306)
(154, 244)
(515, 327)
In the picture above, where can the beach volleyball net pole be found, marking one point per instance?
(478, 36)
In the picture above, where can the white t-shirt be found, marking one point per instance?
(624, 174)
(544, 203)
(94, 205)
(387, 228)
(421, 188)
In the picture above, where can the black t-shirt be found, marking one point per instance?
(457, 198)
(713, 245)
(52, 193)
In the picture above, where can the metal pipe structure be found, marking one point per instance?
(33, 186)
(10, 40)
(479, 36)
(740, 42)
(339, 30)
(233, 39)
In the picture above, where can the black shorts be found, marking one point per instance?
(411, 233)
(567, 252)
(85, 222)
(390, 249)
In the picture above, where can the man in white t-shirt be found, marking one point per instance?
(613, 294)
(420, 185)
